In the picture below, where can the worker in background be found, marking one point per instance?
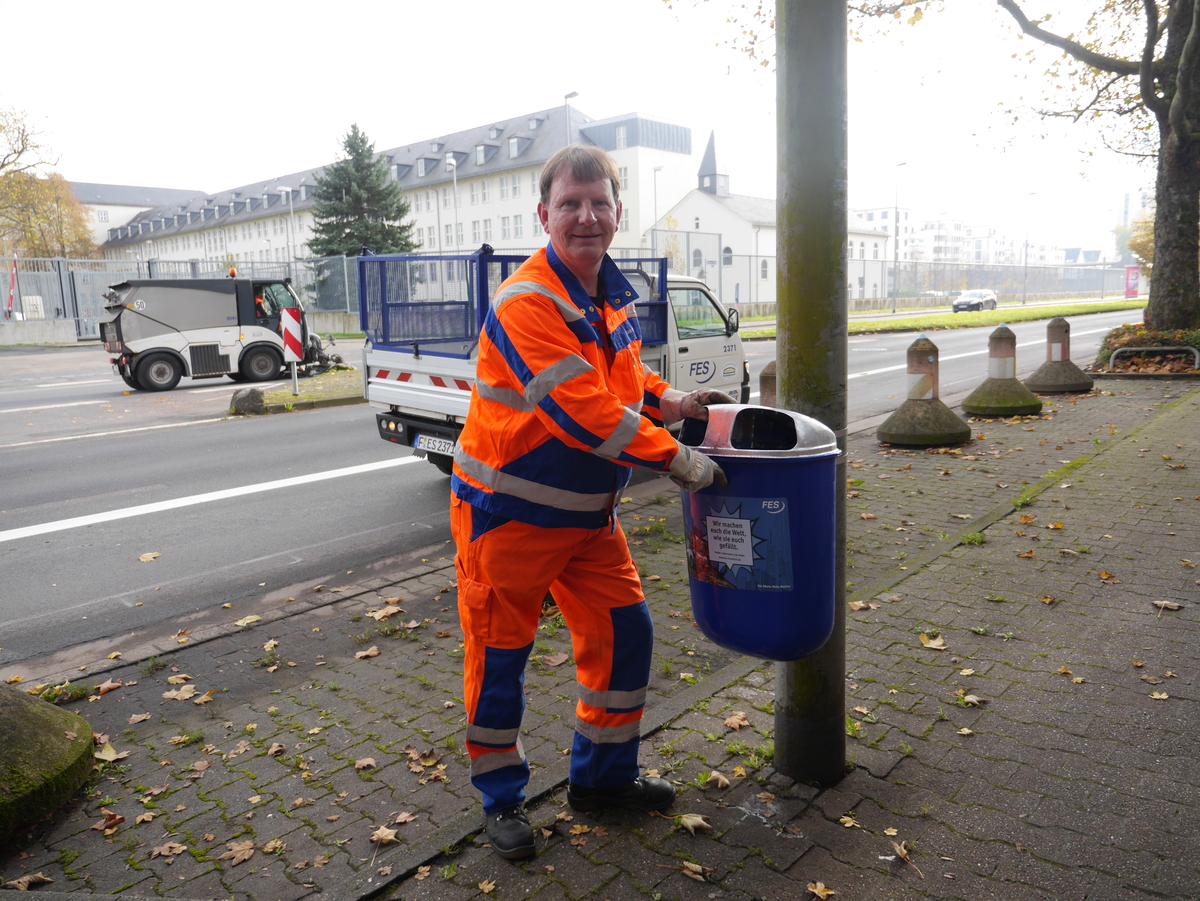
(561, 411)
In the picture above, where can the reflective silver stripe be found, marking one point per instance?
(497, 760)
(493, 736)
(569, 311)
(619, 700)
(625, 432)
(636, 406)
(504, 483)
(604, 735)
(506, 396)
(553, 376)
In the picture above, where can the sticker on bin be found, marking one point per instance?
(741, 542)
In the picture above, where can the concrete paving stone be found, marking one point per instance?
(638, 863)
(263, 883)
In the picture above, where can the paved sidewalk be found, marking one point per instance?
(1030, 759)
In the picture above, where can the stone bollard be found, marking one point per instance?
(1058, 375)
(248, 401)
(767, 391)
(1001, 394)
(923, 420)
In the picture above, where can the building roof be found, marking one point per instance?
(129, 195)
(708, 165)
(538, 135)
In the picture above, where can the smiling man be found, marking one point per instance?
(561, 411)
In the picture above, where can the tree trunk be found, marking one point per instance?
(1175, 284)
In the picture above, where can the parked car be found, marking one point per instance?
(978, 299)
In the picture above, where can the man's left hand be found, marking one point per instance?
(676, 405)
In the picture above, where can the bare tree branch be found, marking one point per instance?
(1150, 97)
(1180, 124)
(1095, 60)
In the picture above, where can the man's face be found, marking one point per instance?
(581, 220)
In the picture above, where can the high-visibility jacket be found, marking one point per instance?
(562, 406)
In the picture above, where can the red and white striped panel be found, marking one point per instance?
(395, 375)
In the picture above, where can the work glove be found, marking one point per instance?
(676, 405)
(691, 470)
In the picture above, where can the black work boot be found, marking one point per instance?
(644, 793)
(510, 833)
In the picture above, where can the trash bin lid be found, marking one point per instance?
(746, 430)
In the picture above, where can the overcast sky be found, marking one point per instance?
(215, 95)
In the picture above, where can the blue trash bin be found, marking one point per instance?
(761, 549)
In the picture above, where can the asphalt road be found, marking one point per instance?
(249, 511)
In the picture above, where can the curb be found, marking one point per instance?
(318, 403)
(1142, 376)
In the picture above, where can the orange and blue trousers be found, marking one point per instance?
(505, 568)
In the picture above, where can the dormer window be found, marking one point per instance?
(480, 154)
(534, 123)
(435, 146)
(494, 132)
(514, 147)
(425, 166)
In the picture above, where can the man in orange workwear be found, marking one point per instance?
(562, 409)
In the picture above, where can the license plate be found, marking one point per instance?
(435, 445)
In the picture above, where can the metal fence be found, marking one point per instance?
(60, 289)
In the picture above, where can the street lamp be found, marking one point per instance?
(452, 165)
(896, 239)
(567, 97)
(137, 256)
(291, 223)
(270, 249)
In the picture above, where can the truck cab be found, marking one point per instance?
(422, 315)
(163, 329)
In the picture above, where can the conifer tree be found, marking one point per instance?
(356, 205)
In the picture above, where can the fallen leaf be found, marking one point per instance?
(239, 852)
(973, 701)
(144, 817)
(1026, 519)
(178, 679)
(934, 644)
(384, 836)
(863, 710)
(271, 645)
(696, 871)
(404, 817)
(693, 821)
(868, 515)
(736, 720)
(1161, 605)
(385, 871)
(150, 557)
(138, 718)
(365, 763)
(820, 890)
(206, 697)
(108, 753)
(108, 685)
(487, 886)
(717, 779)
(372, 651)
(1063, 671)
(1157, 695)
(966, 672)
(891, 830)
(114, 655)
(248, 620)
(965, 731)
(1054, 525)
(169, 849)
(108, 825)
(849, 822)
(276, 749)
(321, 860)
(180, 694)
(422, 872)
(555, 659)
(864, 605)
(275, 844)
(1026, 554)
(901, 850)
(22, 883)
(1048, 599)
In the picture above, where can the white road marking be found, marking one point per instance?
(145, 428)
(78, 403)
(68, 384)
(224, 494)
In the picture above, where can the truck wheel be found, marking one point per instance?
(132, 382)
(260, 365)
(236, 376)
(443, 462)
(159, 372)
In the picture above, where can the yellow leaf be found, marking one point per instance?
(205, 698)
(934, 644)
(692, 821)
(849, 822)
(1157, 695)
(891, 830)
(718, 779)
(819, 888)
(178, 679)
(247, 620)
(736, 720)
(372, 651)
(1054, 525)
(148, 558)
(384, 836)
(271, 645)
(966, 672)
(487, 887)
(1063, 671)
(114, 655)
(965, 731)
(739, 772)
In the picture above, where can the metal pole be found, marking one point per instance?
(810, 710)
(896, 240)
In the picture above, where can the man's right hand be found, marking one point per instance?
(692, 470)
